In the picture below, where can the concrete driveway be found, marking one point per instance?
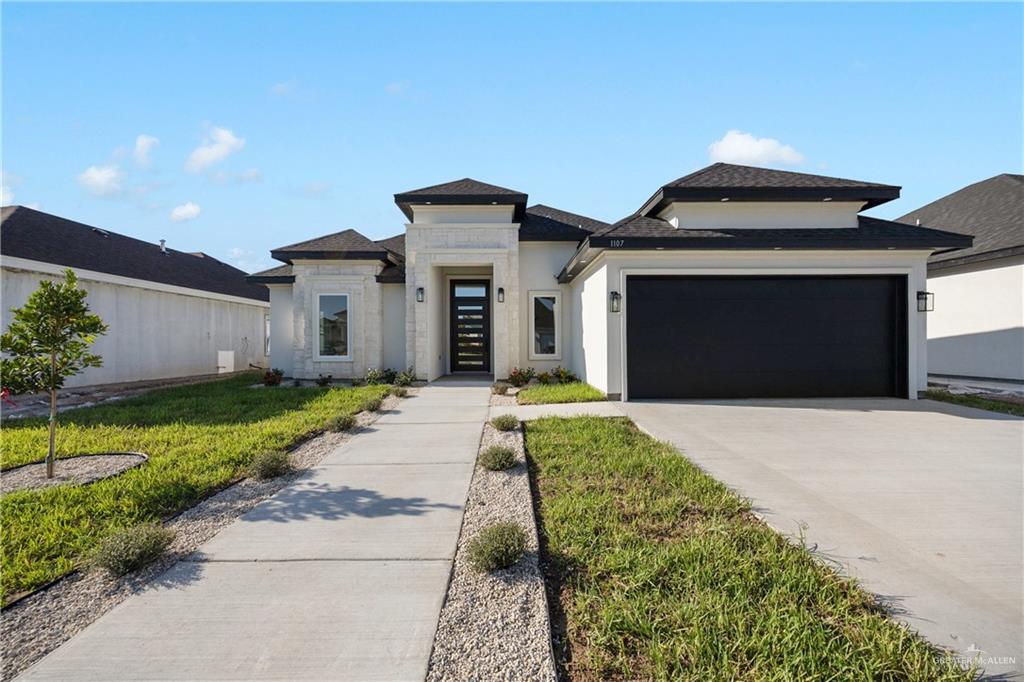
(918, 499)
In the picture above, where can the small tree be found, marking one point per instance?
(47, 342)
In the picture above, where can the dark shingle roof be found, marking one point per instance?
(542, 223)
(466, 191)
(991, 210)
(34, 235)
(642, 232)
(394, 244)
(282, 274)
(347, 244)
(749, 183)
(393, 273)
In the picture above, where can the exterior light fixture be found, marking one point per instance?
(614, 302)
(925, 301)
(501, 295)
(420, 294)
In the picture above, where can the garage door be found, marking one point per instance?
(765, 337)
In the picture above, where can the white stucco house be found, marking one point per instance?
(977, 328)
(171, 314)
(732, 281)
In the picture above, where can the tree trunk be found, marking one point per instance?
(53, 420)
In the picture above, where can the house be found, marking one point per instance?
(729, 282)
(977, 328)
(171, 314)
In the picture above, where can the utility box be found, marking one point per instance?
(225, 361)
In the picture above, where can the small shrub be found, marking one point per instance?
(499, 388)
(324, 380)
(520, 376)
(544, 378)
(399, 391)
(405, 378)
(505, 422)
(564, 376)
(296, 383)
(498, 458)
(269, 464)
(497, 546)
(131, 548)
(343, 422)
(370, 405)
(380, 376)
(272, 377)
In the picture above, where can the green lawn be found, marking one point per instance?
(664, 574)
(1016, 409)
(576, 392)
(198, 437)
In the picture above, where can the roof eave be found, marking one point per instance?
(289, 256)
(270, 279)
(871, 196)
(407, 201)
(956, 261)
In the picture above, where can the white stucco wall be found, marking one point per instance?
(357, 279)
(156, 331)
(761, 214)
(454, 215)
(282, 327)
(977, 327)
(590, 354)
(602, 361)
(393, 326)
(539, 265)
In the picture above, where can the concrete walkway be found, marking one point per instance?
(340, 576)
(921, 500)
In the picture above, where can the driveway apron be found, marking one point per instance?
(339, 576)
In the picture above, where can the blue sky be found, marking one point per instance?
(233, 128)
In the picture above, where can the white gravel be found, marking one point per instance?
(495, 626)
(42, 621)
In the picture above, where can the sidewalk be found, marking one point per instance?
(340, 576)
(528, 412)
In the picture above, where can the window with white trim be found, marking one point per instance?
(545, 325)
(333, 328)
(266, 334)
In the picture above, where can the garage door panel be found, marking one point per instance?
(736, 337)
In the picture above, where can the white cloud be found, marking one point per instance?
(144, 144)
(398, 87)
(285, 88)
(250, 175)
(245, 259)
(219, 144)
(186, 211)
(34, 206)
(744, 148)
(6, 195)
(315, 189)
(101, 181)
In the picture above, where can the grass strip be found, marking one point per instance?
(576, 392)
(1003, 406)
(662, 573)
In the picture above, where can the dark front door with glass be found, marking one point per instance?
(470, 326)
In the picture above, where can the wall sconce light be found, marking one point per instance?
(501, 295)
(420, 295)
(925, 301)
(614, 302)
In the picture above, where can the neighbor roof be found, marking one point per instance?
(543, 224)
(992, 211)
(644, 232)
(34, 235)
(344, 245)
(466, 191)
(748, 183)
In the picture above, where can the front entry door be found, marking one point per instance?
(470, 326)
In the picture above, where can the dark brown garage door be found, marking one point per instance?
(765, 337)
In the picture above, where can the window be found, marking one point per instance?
(544, 325)
(266, 334)
(333, 337)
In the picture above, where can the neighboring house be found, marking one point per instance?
(171, 314)
(730, 282)
(977, 327)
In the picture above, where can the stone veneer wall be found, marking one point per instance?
(357, 279)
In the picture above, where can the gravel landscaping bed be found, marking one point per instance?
(503, 400)
(494, 626)
(78, 469)
(39, 623)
